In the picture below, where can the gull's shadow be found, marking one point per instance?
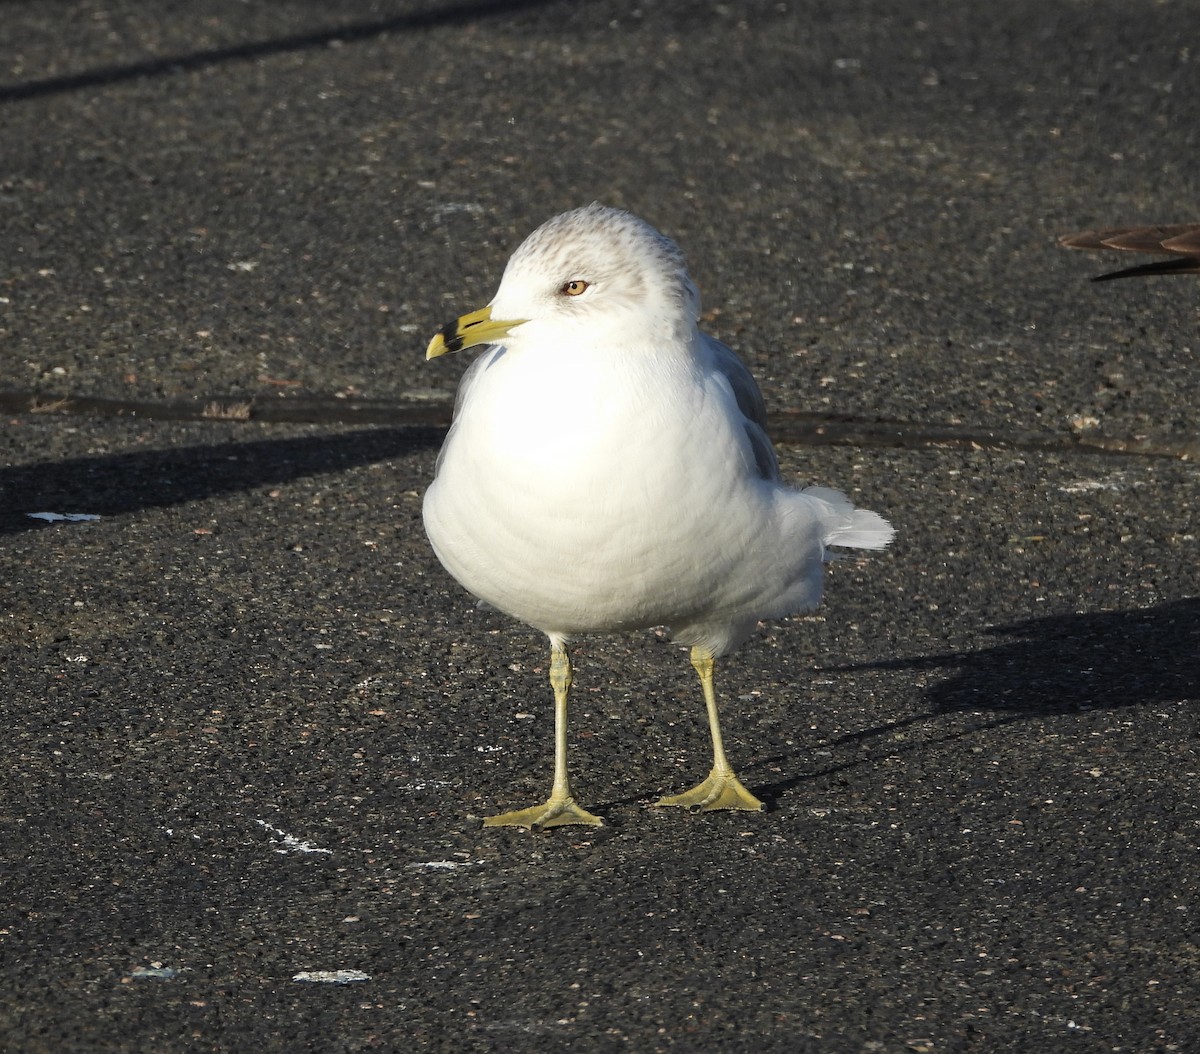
(112, 484)
(1074, 662)
(1059, 664)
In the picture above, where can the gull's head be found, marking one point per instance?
(595, 275)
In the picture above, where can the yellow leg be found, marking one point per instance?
(722, 789)
(560, 808)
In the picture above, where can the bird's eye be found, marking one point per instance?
(574, 287)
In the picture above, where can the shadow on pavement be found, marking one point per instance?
(1059, 664)
(111, 484)
(1074, 662)
(168, 65)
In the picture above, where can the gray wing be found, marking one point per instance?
(750, 402)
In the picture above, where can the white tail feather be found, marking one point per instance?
(848, 526)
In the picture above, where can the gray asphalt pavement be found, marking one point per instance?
(251, 725)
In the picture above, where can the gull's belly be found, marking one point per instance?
(572, 554)
(592, 520)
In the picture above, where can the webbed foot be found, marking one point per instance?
(554, 813)
(721, 790)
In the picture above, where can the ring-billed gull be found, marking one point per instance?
(608, 469)
(1180, 239)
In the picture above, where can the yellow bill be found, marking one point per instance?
(470, 330)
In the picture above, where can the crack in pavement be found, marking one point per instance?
(794, 427)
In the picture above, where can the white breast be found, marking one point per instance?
(631, 503)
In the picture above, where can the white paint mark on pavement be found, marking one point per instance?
(331, 976)
(291, 844)
(68, 517)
